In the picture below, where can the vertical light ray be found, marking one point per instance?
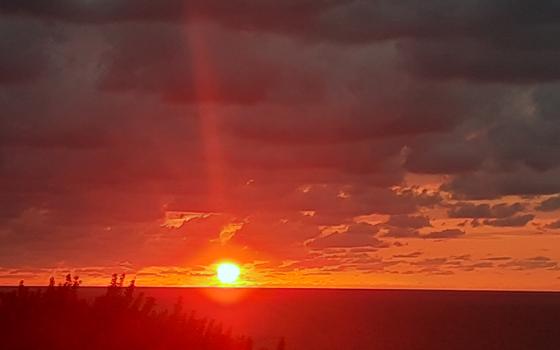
(207, 91)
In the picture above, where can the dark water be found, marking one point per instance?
(324, 319)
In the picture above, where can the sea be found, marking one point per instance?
(366, 319)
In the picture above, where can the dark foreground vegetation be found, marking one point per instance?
(56, 318)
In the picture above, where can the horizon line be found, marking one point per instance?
(468, 290)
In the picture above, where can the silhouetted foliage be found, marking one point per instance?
(281, 344)
(55, 318)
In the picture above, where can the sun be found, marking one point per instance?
(227, 273)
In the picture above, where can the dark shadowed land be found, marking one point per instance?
(57, 317)
(310, 319)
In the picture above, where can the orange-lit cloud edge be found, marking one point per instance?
(482, 259)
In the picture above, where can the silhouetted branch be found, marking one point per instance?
(58, 319)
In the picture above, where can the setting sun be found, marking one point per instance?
(227, 273)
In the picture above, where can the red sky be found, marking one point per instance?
(317, 143)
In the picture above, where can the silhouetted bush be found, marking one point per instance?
(56, 318)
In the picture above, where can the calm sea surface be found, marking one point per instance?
(324, 319)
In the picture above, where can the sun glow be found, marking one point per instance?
(227, 273)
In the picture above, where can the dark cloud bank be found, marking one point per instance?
(114, 112)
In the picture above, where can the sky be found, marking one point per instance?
(326, 143)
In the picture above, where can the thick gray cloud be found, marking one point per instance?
(553, 225)
(259, 14)
(24, 52)
(449, 233)
(520, 181)
(513, 221)
(549, 204)
(405, 226)
(470, 210)
(357, 235)
(411, 221)
(444, 156)
(188, 65)
(486, 59)
(285, 115)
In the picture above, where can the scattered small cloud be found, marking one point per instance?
(449, 233)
